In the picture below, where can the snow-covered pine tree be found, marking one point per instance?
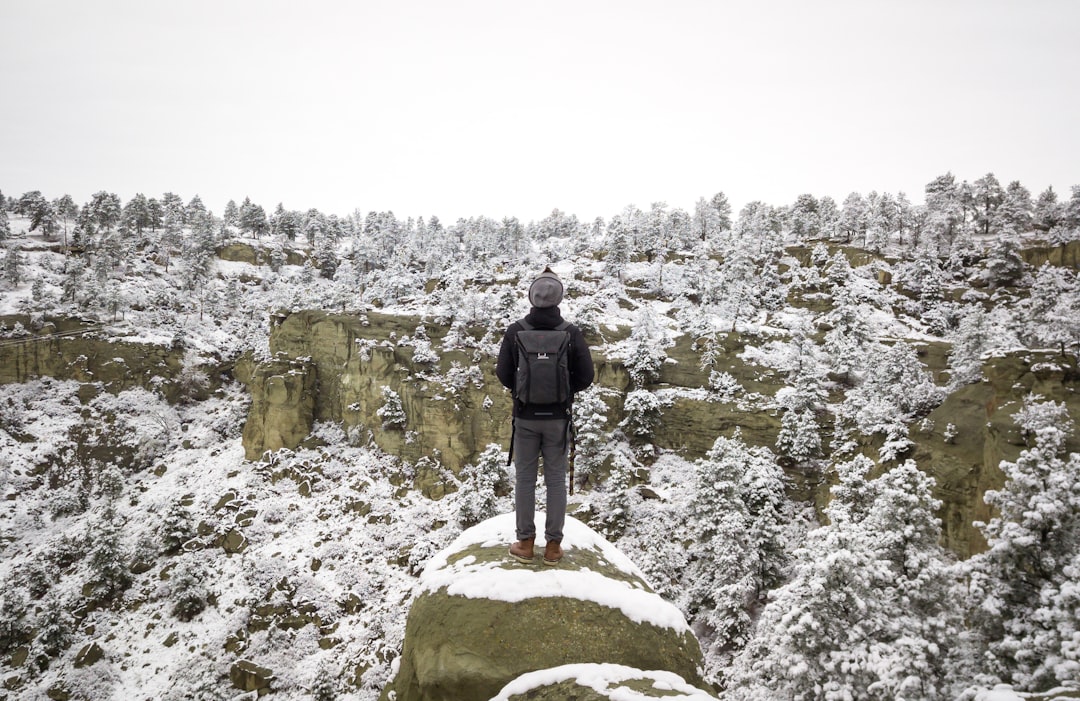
(970, 341)
(423, 352)
(895, 390)
(1023, 587)
(642, 411)
(802, 400)
(55, 630)
(646, 349)
(176, 528)
(593, 441)
(737, 514)
(109, 575)
(391, 412)
(614, 499)
(869, 611)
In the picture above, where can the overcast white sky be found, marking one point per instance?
(462, 108)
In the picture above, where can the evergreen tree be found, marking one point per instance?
(1004, 264)
(325, 685)
(104, 210)
(642, 411)
(592, 440)
(802, 401)
(177, 527)
(13, 264)
(854, 218)
(391, 412)
(618, 248)
(722, 206)
(945, 213)
(895, 390)
(989, 196)
(108, 567)
(971, 340)
(55, 629)
(136, 214)
(1014, 216)
(252, 218)
(1023, 587)
(737, 512)
(230, 218)
(646, 349)
(869, 612)
(1047, 212)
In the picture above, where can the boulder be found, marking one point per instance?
(481, 619)
(600, 682)
(90, 654)
(248, 676)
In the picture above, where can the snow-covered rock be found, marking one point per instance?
(481, 619)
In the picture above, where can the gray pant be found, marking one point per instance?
(534, 438)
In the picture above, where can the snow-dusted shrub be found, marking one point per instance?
(726, 385)
(614, 498)
(423, 353)
(324, 687)
(14, 626)
(483, 487)
(188, 589)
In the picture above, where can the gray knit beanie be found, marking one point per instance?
(546, 290)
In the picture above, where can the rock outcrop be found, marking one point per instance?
(600, 682)
(481, 619)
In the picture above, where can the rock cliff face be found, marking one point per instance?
(456, 406)
(338, 366)
(481, 619)
(964, 459)
(73, 349)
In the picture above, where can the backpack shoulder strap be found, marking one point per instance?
(563, 326)
(525, 325)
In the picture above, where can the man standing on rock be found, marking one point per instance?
(543, 360)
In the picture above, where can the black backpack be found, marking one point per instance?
(543, 366)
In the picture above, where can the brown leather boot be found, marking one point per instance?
(522, 550)
(552, 553)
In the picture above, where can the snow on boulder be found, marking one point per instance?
(600, 682)
(481, 619)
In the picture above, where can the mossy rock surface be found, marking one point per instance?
(482, 619)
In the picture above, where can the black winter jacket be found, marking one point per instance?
(581, 363)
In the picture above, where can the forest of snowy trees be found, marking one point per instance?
(861, 601)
